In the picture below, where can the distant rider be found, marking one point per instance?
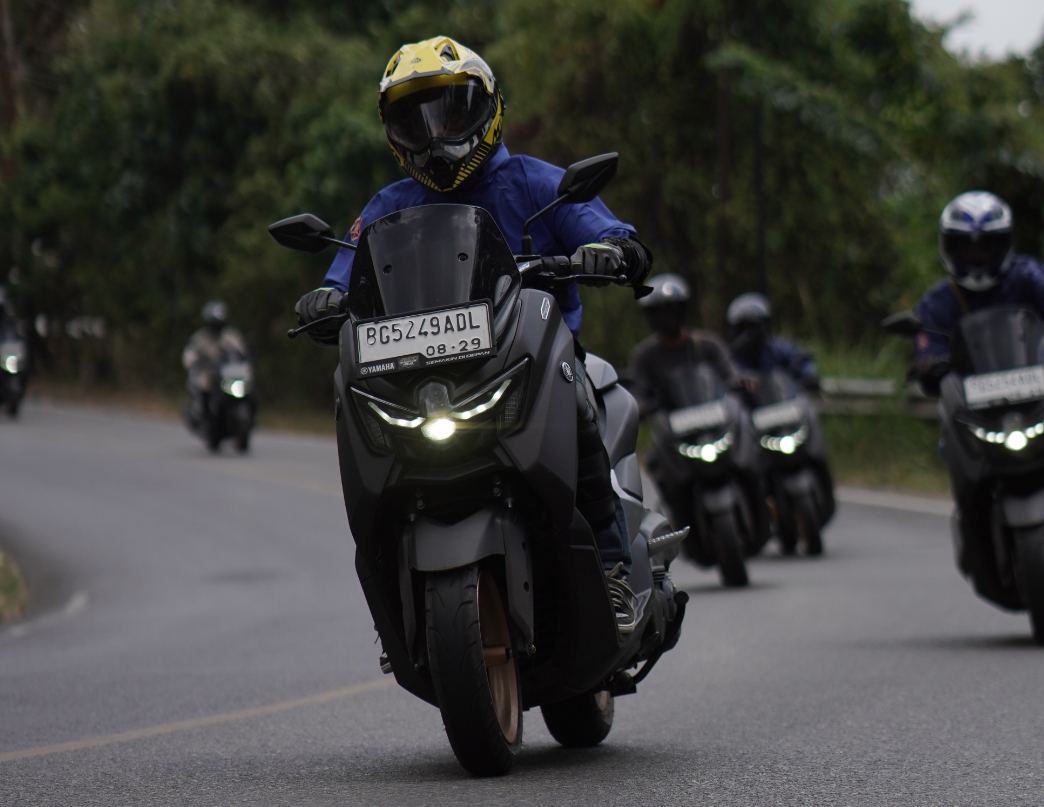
(755, 349)
(443, 115)
(204, 353)
(672, 347)
(975, 241)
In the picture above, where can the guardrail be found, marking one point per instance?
(873, 396)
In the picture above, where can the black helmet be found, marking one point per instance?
(975, 239)
(749, 319)
(215, 314)
(666, 306)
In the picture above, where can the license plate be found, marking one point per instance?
(1009, 386)
(238, 369)
(392, 344)
(695, 418)
(778, 414)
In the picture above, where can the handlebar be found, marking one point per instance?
(555, 269)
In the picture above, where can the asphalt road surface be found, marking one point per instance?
(200, 638)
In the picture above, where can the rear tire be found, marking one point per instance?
(806, 514)
(481, 705)
(580, 722)
(731, 568)
(1029, 546)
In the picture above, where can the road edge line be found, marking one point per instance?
(924, 505)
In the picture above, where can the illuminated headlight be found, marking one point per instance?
(236, 387)
(11, 364)
(1015, 440)
(786, 443)
(708, 452)
(438, 429)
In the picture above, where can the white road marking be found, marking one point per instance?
(926, 505)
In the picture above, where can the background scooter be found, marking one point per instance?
(223, 402)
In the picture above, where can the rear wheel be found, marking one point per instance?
(580, 722)
(473, 669)
(1029, 546)
(729, 548)
(806, 513)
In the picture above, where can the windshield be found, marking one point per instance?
(432, 257)
(774, 387)
(688, 385)
(997, 339)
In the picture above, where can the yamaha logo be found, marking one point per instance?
(567, 371)
(545, 308)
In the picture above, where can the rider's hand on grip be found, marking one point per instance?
(316, 304)
(598, 259)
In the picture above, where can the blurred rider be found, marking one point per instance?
(975, 241)
(672, 346)
(755, 349)
(205, 351)
(443, 114)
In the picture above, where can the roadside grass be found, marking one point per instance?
(14, 596)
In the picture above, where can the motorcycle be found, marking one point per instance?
(797, 475)
(991, 410)
(705, 461)
(223, 402)
(456, 433)
(14, 370)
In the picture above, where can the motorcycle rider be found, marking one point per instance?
(975, 242)
(672, 345)
(755, 349)
(205, 350)
(443, 114)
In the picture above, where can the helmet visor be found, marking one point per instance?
(983, 255)
(451, 113)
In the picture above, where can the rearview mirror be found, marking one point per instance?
(584, 180)
(305, 233)
(902, 324)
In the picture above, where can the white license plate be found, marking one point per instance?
(1009, 386)
(694, 418)
(777, 414)
(420, 340)
(236, 369)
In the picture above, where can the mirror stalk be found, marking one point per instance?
(527, 239)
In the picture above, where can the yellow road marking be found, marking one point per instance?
(195, 723)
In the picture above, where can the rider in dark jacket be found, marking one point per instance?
(443, 115)
(975, 241)
(754, 348)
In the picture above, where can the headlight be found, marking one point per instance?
(1013, 440)
(501, 400)
(785, 443)
(236, 387)
(11, 364)
(708, 452)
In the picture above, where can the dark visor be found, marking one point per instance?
(452, 113)
(984, 254)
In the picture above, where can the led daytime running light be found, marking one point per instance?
(708, 452)
(1014, 441)
(787, 443)
(412, 423)
(484, 407)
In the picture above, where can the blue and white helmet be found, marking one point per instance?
(975, 239)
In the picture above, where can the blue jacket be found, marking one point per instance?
(511, 188)
(939, 309)
(780, 353)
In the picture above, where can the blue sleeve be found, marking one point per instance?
(340, 271)
(939, 311)
(799, 364)
(1030, 291)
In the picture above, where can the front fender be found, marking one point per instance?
(1023, 511)
(799, 483)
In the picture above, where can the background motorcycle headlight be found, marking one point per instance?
(11, 363)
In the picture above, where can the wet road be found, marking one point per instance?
(200, 638)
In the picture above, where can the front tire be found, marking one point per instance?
(580, 722)
(806, 513)
(1029, 546)
(729, 548)
(473, 671)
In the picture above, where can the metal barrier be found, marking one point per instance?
(873, 396)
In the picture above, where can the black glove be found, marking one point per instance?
(315, 305)
(597, 259)
(929, 371)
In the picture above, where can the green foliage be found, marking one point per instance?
(138, 182)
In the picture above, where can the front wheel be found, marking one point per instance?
(806, 513)
(1029, 546)
(729, 548)
(473, 669)
(580, 722)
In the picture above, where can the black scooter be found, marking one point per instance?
(797, 473)
(706, 463)
(991, 409)
(456, 432)
(223, 402)
(14, 369)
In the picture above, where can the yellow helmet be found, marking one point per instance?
(442, 111)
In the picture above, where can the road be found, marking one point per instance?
(200, 638)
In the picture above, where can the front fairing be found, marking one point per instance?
(786, 424)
